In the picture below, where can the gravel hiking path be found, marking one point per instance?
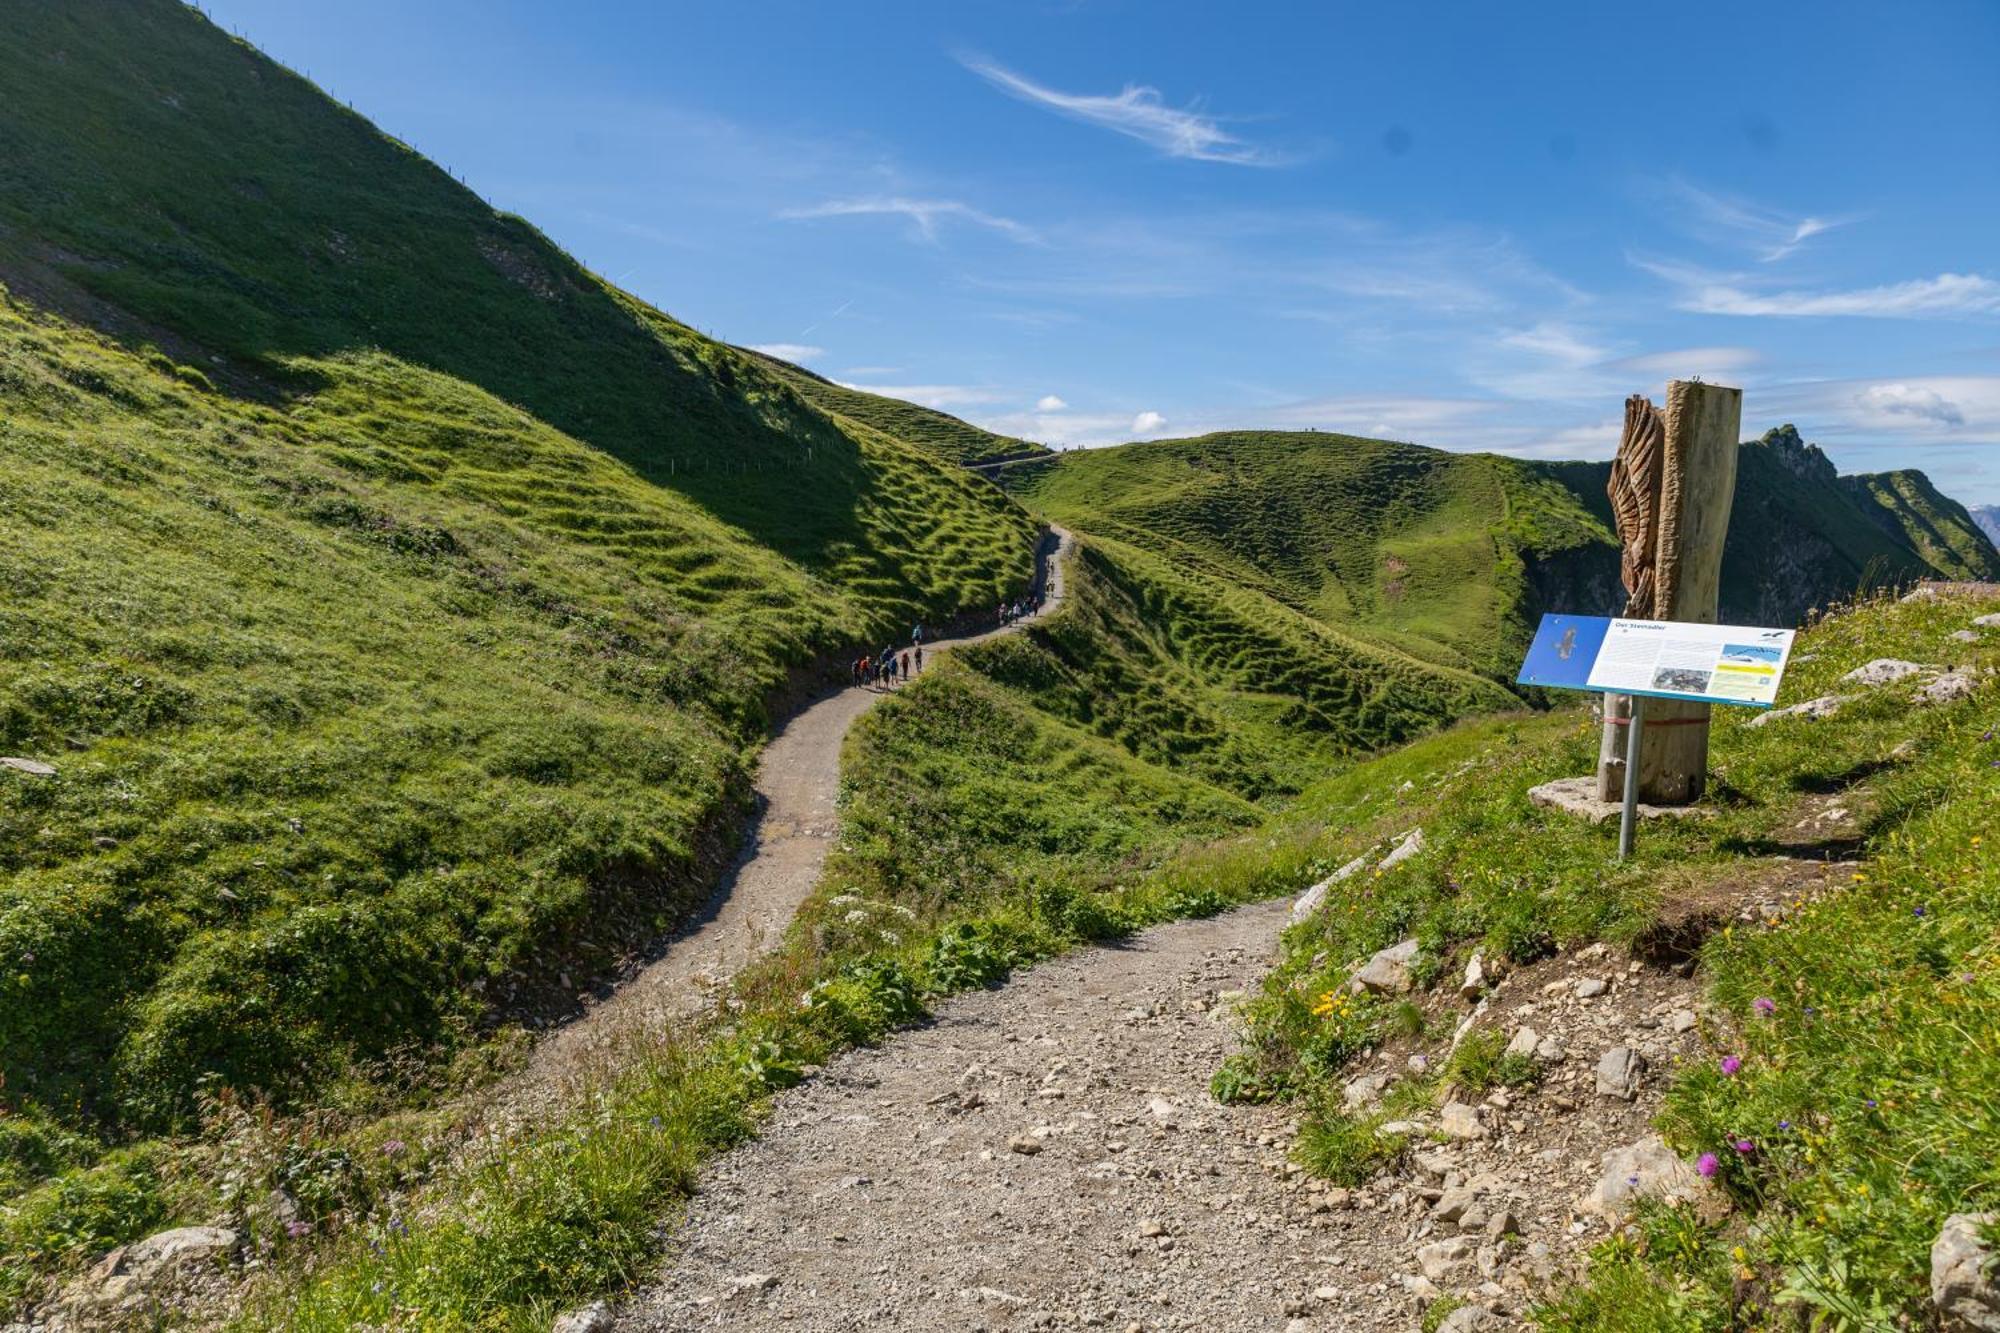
(1046, 1154)
(1043, 1154)
(798, 784)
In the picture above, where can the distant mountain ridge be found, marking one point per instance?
(1988, 519)
(1450, 556)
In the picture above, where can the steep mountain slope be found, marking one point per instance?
(1450, 557)
(398, 607)
(160, 178)
(1987, 517)
(940, 432)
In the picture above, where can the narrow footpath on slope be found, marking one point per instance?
(797, 790)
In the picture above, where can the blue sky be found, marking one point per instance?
(1476, 226)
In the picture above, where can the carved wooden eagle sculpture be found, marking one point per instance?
(1636, 477)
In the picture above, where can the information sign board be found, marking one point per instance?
(1659, 659)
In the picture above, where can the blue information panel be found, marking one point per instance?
(1663, 659)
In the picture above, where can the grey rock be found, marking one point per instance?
(1591, 987)
(1025, 1144)
(1618, 1071)
(1965, 636)
(1468, 1319)
(1311, 900)
(1551, 1051)
(1948, 688)
(1885, 671)
(752, 1282)
(1412, 843)
(1647, 1169)
(1460, 1121)
(1810, 711)
(1476, 979)
(168, 1249)
(1684, 1020)
(1525, 1040)
(1988, 622)
(1363, 1091)
(32, 767)
(1443, 1260)
(1388, 972)
(592, 1318)
(1963, 1287)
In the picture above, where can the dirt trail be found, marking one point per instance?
(798, 783)
(884, 1192)
(1046, 1155)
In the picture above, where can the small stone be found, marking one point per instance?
(1418, 1063)
(1812, 710)
(1363, 1091)
(32, 767)
(1441, 1260)
(1412, 843)
(1684, 1020)
(1591, 987)
(1646, 1169)
(1388, 972)
(1152, 1227)
(1025, 1144)
(1988, 621)
(1475, 978)
(1967, 1297)
(1551, 1051)
(1618, 1071)
(752, 1282)
(1885, 671)
(592, 1318)
(1525, 1040)
(1468, 1319)
(1965, 636)
(1948, 688)
(1460, 1121)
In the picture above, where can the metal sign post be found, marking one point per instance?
(1628, 819)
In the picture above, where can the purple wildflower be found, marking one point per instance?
(295, 1229)
(1708, 1164)
(394, 1148)
(1765, 1005)
(1869, 1103)
(1784, 1124)
(1744, 1145)
(1916, 911)
(1730, 1064)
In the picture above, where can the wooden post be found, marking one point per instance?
(1696, 485)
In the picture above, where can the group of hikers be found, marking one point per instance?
(889, 666)
(892, 666)
(1009, 612)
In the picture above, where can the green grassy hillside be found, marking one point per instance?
(1434, 553)
(1855, 1109)
(940, 432)
(398, 605)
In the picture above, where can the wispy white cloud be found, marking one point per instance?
(796, 352)
(1148, 423)
(1767, 232)
(1138, 112)
(1048, 402)
(1730, 294)
(925, 213)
